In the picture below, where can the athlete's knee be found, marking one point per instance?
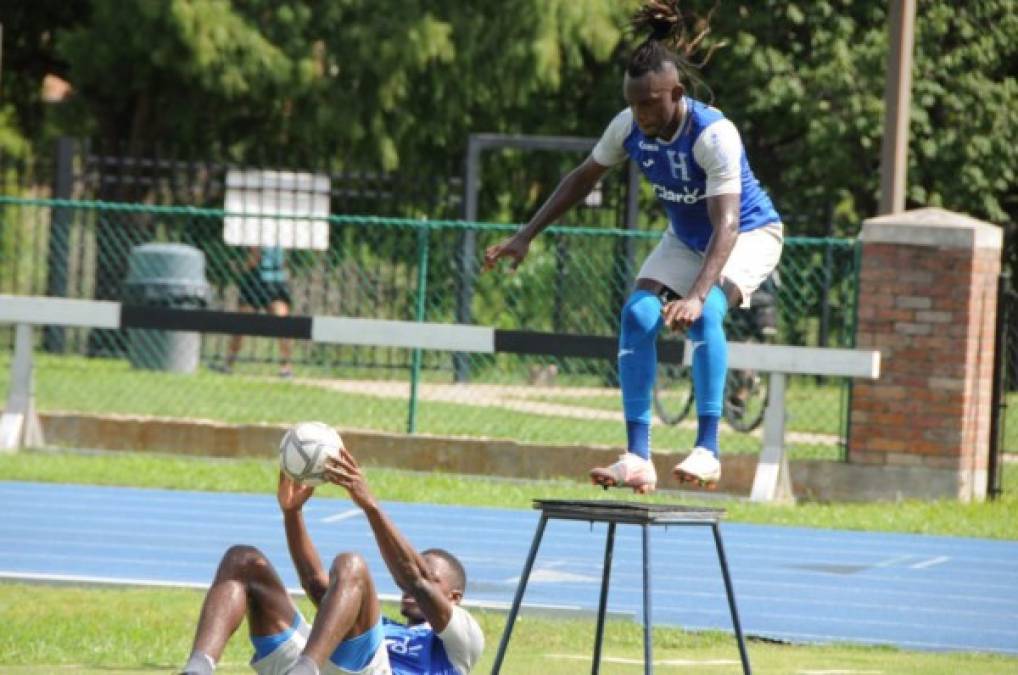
(349, 566)
(242, 561)
(641, 315)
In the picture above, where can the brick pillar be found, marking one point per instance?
(927, 301)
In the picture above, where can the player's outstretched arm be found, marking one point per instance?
(576, 185)
(291, 497)
(409, 569)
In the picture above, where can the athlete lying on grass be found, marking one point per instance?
(349, 634)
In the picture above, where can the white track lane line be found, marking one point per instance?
(342, 515)
(689, 663)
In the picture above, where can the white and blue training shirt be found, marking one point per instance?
(703, 159)
(419, 650)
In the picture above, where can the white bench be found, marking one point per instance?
(19, 425)
(772, 480)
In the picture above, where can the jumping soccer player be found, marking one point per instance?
(724, 238)
(349, 634)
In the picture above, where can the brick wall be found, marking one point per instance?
(927, 301)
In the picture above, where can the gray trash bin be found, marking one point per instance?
(165, 275)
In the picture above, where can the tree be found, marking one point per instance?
(389, 84)
(805, 83)
(29, 55)
(187, 73)
(964, 148)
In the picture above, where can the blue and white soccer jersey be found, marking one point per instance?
(705, 158)
(419, 650)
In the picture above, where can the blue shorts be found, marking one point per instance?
(276, 653)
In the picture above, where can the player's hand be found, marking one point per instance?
(292, 495)
(344, 472)
(515, 248)
(680, 314)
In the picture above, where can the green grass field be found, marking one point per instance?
(111, 386)
(53, 629)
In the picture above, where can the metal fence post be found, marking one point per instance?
(852, 318)
(998, 403)
(422, 306)
(465, 297)
(59, 238)
(467, 253)
(825, 297)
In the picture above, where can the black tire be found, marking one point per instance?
(673, 393)
(745, 399)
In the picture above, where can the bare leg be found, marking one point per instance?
(280, 308)
(235, 340)
(349, 607)
(245, 584)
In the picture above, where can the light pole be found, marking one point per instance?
(897, 103)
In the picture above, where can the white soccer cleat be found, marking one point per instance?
(701, 466)
(630, 471)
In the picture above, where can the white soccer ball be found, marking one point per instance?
(304, 449)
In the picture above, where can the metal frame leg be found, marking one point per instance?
(602, 606)
(518, 600)
(731, 600)
(648, 648)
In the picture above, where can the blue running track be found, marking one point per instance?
(798, 584)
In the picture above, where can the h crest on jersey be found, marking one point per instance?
(669, 165)
(676, 169)
(677, 161)
(671, 171)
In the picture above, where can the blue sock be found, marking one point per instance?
(638, 438)
(640, 324)
(707, 433)
(710, 365)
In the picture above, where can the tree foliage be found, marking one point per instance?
(188, 73)
(805, 82)
(386, 84)
(28, 56)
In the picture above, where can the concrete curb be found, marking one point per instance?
(811, 479)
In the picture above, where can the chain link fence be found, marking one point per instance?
(574, 281)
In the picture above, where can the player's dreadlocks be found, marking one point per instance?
(673, 36)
